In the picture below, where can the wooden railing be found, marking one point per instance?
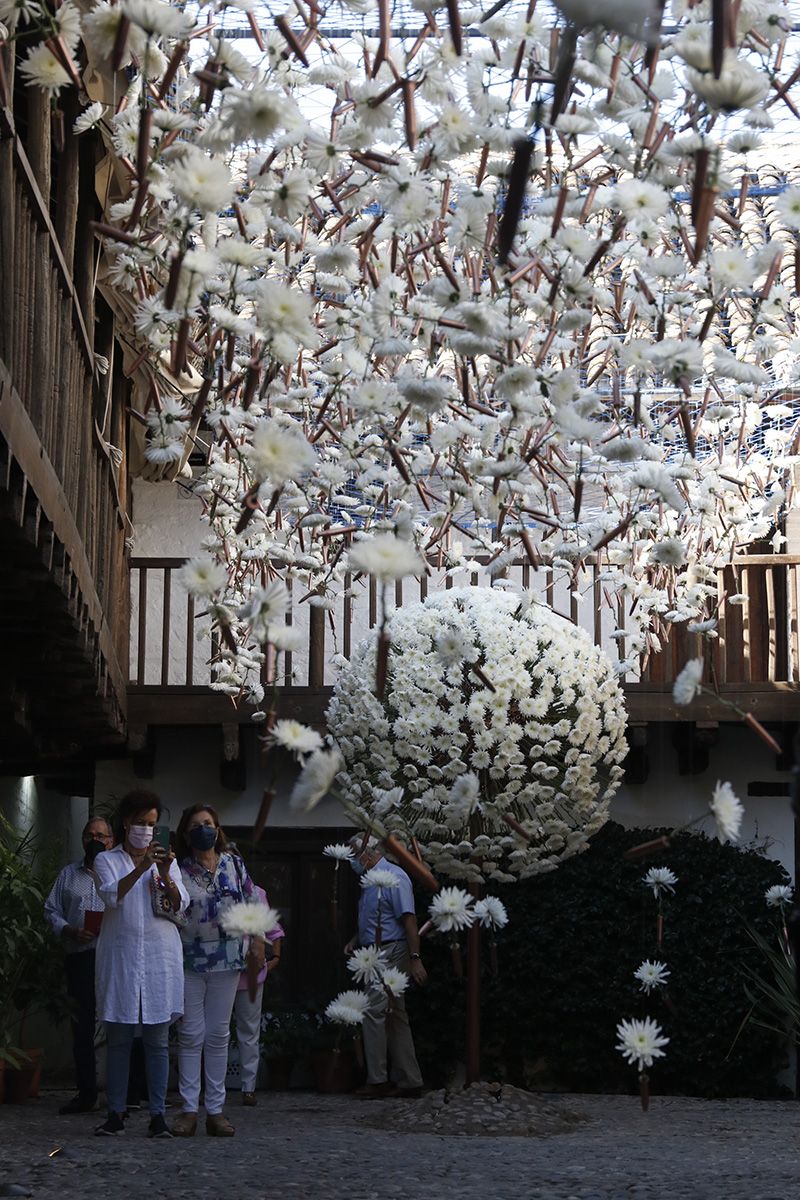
(57, 471)
(172, 648)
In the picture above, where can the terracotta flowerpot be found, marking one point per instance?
(279, 1072)
(334, 1070)
(22, 1083)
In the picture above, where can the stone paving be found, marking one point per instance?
(327, 1147)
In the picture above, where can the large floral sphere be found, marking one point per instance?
(498, 740)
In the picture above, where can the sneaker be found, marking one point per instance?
(79, 1104)
(158, 1127)
(249, 1099)
(113, 1126)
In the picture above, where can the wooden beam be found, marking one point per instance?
(24, 444)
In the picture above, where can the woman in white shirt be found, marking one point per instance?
(139, 974)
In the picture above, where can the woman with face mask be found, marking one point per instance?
(139, 976)
(214, 879)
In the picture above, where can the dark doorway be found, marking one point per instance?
(298, 879)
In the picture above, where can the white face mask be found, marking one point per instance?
(140, 836)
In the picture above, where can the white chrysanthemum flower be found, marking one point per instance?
(688, 684)
(740, 85)
(640, 1042)
(453, 647)
(787, 207)
(395, 980)
(339, 851)
(670, 552)
(249, 919)
(651, 975)
(452, 910)
(155, 17)
(286, 316)
(366, 964)
(263, 609)
(202, 576)
(728, 812)
(491, 913)
(778, 895)
(278, 452)
(380, 877)
(661, 880)
(640, 201)
(202, 182)
(386, 557)
(89, 118)
(294, 736)
(42, 69)
(348, 1008)
(316, 778)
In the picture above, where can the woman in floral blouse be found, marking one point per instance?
(215, 878)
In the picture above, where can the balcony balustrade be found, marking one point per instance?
(754, 662)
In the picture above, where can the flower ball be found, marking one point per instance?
(497, 742)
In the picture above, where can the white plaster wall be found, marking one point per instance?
(187, 772)
(187, 764)
(668, 798)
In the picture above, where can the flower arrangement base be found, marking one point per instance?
(334, 1070)
(22, 1083)
(480, 1110)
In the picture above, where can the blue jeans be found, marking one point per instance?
(155, 1039)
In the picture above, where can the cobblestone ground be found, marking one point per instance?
(326, 1147)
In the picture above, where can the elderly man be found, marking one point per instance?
(74, 912)
(387, 914)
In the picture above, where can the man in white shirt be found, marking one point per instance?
(73, 896)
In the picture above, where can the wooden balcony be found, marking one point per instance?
(755, 661)
(63, 587)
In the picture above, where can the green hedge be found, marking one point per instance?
(566, 963)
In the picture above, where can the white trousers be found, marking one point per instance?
(203, 1033)
(248, 1032)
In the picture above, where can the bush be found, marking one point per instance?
(566, 963)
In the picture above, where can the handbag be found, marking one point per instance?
(162, 906)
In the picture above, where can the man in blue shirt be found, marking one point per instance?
(73, 896)
(386, 917)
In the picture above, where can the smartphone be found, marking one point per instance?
(161, 835)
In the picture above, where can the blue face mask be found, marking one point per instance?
(356, 866)
(203, 837)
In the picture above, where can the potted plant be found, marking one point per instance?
(31, 979)
(286, 1036)
(337, 1058)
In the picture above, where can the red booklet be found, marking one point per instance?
(92, 922)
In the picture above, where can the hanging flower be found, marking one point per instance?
(661, 880)
(491, 913)
(366, 964)
(395, 980)
(728, 812)
(249, 918)
(349, 1008)
(386, 557)
(688, 683)
(316, 778)
(340, 851)
(651, 975)
(640, 1042)
(297, 738)
(778, 896)
(380, 877)
(452, 910)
